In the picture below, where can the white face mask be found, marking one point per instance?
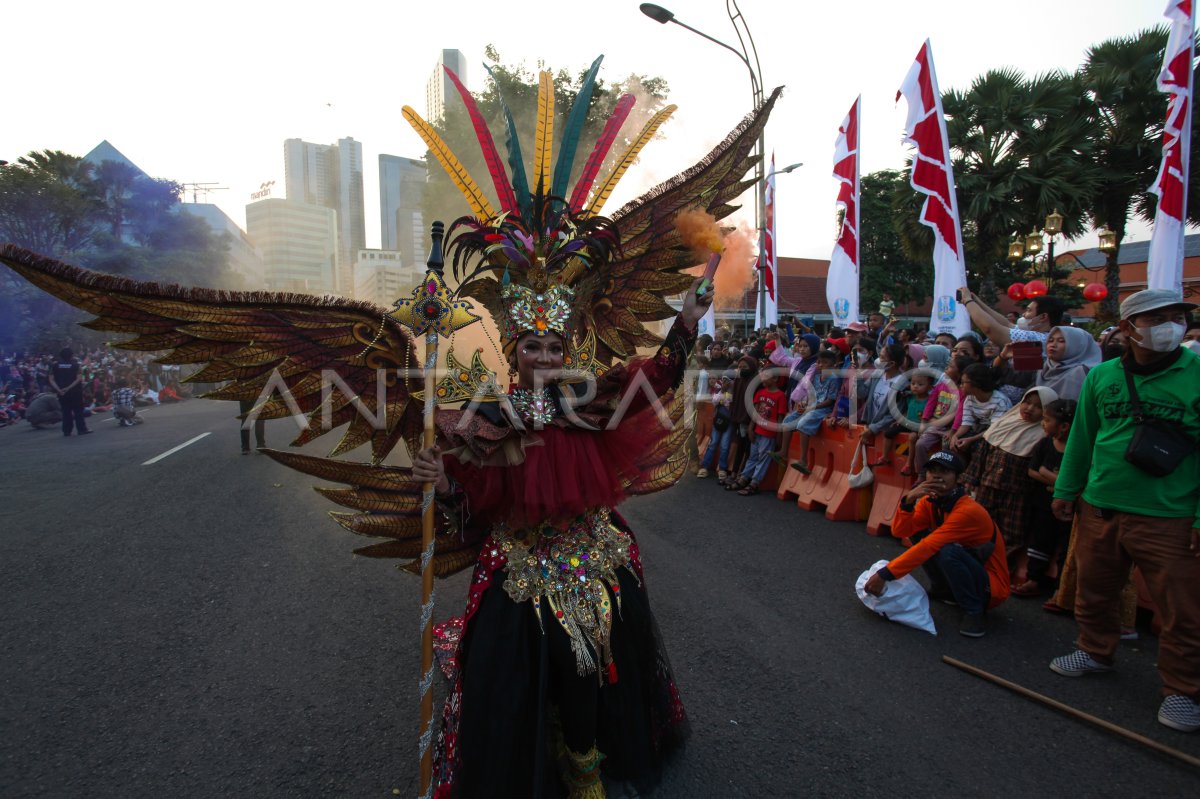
(1194, 346)
(1022, 323)
(880, 363)
(922, 364)
(1162, 338)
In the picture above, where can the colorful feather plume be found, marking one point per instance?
(504, 189)
(600, 151)
(570, 139)
(516, 162)
(454, 168)
(628, 158)
(543, 141)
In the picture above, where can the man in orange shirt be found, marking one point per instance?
(956, 542)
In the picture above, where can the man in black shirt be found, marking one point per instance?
(66, 379)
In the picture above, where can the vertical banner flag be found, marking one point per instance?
(1164, 268)
(767, 262)
(933, 175)
(841, 284)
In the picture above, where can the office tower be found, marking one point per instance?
(382, 278)
(401, 194)
(331, 175)
(245, 261)
(439, 86)
(299, 245)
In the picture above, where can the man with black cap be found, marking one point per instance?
(954, 540)
(1135, 487)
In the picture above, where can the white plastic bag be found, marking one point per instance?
(903, 600)
(863, 477)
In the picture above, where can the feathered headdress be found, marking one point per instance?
(547, 260)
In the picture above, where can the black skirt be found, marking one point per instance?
(522, 697)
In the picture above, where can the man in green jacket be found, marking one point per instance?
(1126, 516)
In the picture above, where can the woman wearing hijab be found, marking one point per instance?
(1070, 353)
(999, 471)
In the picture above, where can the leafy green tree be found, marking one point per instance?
(1120, 78)
(1021, 148)
(884, 264)
(517, 86)
(46, 203)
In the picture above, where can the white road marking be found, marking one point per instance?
(140, 412)
(173, 450)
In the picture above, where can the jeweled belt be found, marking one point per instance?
(570, 573)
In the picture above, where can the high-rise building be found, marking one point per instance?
(382, 278)
(331, 175)
(439, 86)
(401, 193)
(299, 245)
(245, 261)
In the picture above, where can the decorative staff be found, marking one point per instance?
(432, 312)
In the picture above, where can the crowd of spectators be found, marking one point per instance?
(29, 391)
(1006, 409)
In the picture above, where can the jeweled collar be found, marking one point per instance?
(536, 408)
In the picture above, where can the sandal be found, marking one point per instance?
(880, 462)
(736, 485)
(1050, 606)
(907, 471)
(749, 490)
(1029, 588)
(800, 467)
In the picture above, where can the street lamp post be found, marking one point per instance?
(663, 16)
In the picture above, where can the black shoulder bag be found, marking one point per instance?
(1158, 445)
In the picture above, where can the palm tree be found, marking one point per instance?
(1020, 149)
(1120, 79)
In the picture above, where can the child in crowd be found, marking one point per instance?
(981, 404)
(999, 472)
(911, 403)
(1047, 534)
(769, 404)
(942, 407)
(822, 397)
(716, 456)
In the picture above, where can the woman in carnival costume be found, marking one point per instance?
(559, 681)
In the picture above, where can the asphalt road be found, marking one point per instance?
(197, 627)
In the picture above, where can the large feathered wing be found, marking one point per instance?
(666, 459)
(335, 361)
(652, 254)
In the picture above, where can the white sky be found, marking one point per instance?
(208, 91)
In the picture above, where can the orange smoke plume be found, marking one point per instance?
(736, 272)
(699, 232)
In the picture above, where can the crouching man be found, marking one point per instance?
(956, 542)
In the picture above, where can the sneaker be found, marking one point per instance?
(1077, 664)
(702, 473)
(1180, 713)
(722, 475)
(1129, 634)
(973, 625)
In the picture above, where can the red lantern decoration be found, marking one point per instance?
(1016, 292)
(1035, 288)
(1095, 292)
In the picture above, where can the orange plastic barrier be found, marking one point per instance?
(789, 478)
(829, 456)
(889, 484)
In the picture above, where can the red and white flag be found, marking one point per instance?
(1164, 269)
(841, 284)
(768, 315)
(933, 175)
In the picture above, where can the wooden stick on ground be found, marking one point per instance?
(1070, 711)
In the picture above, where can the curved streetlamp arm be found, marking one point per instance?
(735, 15)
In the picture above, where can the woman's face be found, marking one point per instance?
(1031, 408)
(990, 351)
(964, 348)
(1056, 346)
(803, 350)
(538, 354)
